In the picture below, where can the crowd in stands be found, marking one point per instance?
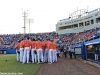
(9, 40)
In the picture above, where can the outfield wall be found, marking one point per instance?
(9, 51)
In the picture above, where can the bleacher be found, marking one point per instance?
(9, 41)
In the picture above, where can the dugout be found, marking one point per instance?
(80, 50)
(90, 48)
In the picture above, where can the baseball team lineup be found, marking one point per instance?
(36, 51)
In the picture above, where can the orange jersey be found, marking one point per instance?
(54, 46)
(38, 44)
(51, 45)
(48, 43)
(18, 46)
(33, 44)
(27, 43)
(22, 44)
(44, 43)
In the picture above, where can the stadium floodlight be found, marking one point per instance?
(25, 18)
(30, 20)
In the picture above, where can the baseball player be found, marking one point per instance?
(27, 45)
(21, 50)
(33, 51)
(17, 47)
(54, 52)
(39, 51)
(49, 46)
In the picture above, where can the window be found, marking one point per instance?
(68, 27)
(65, 27)
(81, 24)
(92, 21)
(75, 25)
(87, 23)
(97, 19)
(60, 23)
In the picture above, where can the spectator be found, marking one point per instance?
(96, 54)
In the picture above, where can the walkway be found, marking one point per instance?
(68, 67)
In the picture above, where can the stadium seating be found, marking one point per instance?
(9, 41)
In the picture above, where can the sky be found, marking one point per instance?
(44, 14)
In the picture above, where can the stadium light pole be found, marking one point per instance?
(30, 21)
(29, 25)
(25, 16)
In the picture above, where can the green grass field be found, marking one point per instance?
(12, 66)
